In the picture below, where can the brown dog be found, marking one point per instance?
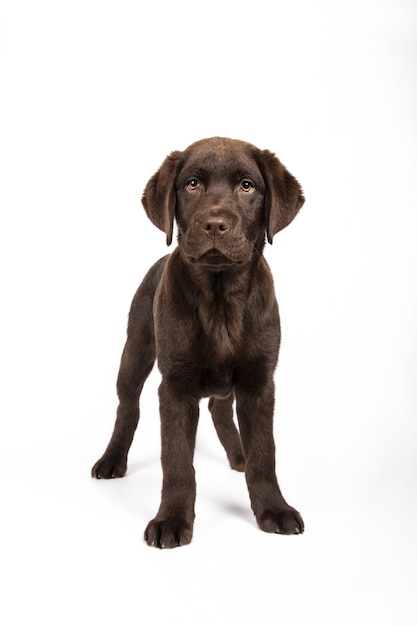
(208, 313)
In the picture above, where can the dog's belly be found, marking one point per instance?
(191, 376)
(216, 382)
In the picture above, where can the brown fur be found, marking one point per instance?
(208, 313)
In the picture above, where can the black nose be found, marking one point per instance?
(215, 226)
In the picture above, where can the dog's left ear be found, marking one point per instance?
(159, 197)
(283, 196)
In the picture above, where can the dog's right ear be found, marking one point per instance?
(159, 197)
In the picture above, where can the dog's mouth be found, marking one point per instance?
(214, 259)
(215, 254)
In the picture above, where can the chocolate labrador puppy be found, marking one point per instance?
(208, 314)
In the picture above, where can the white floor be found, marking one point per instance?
(73, 549)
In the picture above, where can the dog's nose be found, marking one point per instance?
(215, 226)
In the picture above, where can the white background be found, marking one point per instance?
(93, 96)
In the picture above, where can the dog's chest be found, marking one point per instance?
(222, 325)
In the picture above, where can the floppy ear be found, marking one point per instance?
(283, 197)
(159, 197)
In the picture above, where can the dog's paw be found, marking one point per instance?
(282, 521)
(109, 466)
(170, 533)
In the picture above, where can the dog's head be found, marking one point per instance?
(225, 196)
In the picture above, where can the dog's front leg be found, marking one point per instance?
(173, 524)
(255, 416)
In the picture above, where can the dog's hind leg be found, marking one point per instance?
(222, 413)
(136, 364)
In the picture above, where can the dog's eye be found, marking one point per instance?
(192, 184)
(247, 185)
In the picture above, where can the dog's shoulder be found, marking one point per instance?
(145, 294)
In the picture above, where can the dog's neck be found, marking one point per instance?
(222, 297)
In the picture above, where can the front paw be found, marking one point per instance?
(169, 533)
(286, 521)
(109, 466)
